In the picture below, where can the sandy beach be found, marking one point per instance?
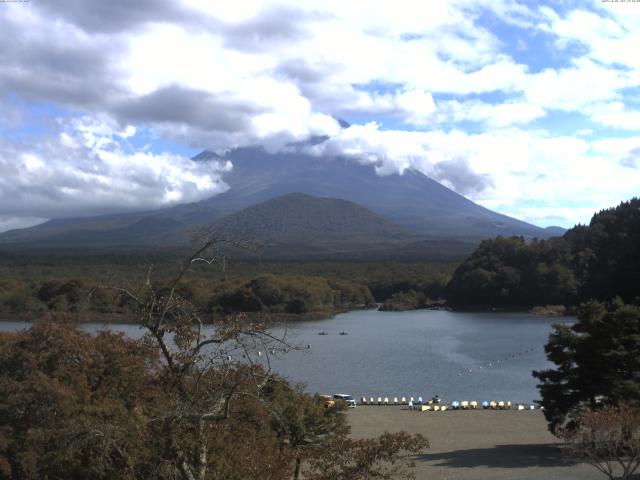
(478, 444)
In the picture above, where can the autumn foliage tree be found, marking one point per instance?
(67, 397)
(189, 400)
(608, 439)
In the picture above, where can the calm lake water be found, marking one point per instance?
(459, 356)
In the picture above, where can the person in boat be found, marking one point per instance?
(436, 399)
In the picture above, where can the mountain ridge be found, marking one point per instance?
(408, 209)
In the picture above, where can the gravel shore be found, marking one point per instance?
(476, 444)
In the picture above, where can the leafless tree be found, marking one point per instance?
(208, 366)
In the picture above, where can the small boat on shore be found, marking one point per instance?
(323, 333)
(344, 333)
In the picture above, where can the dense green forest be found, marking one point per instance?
(36, 284)
(598, 261)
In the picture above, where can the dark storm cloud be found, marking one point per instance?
(191, 107)
(270, 27)
(302, 71)
(48, 65)
(458, 175)
(110, 16)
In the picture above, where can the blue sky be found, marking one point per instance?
(535, 104)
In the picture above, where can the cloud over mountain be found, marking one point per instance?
(485, 96)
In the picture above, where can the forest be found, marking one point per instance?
(595, 261)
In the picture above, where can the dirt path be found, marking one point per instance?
(481, 444)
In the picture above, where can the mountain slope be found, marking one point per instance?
(412, 200)
(301, 218)
(412, 205)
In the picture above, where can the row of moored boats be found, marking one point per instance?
(435, 404)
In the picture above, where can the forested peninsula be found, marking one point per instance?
(596, 261)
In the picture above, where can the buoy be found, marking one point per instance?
(443, 408)
(419, 400)
(520, 407)
(532, 407)
(386, 400)
(464, 404)
(259, 354)
(485, 404)
(425, 408)
(492, 405)
(364, 400)
(379, 400)
(436, 408)
(455, 405)
(501, 405)
(404, 401)
(509, 405)
(395, 400)
(473, 404)
(412, 400)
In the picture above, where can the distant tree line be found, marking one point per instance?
(293, 288)
(598, 261)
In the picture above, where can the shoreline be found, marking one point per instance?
(109, 318)
(270, 317)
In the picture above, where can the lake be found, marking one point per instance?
(459, 356)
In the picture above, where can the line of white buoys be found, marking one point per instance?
(496, 363)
